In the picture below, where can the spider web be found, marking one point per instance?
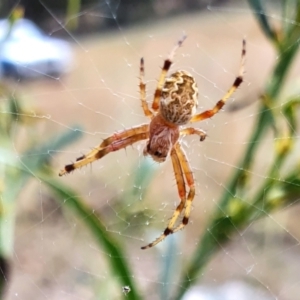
(55, 256)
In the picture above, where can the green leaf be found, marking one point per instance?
(289, 111)
(117, 258)
(261, 16)
(44, 151)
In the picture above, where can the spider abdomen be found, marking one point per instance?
(179, 98)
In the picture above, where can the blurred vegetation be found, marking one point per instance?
(17, 169)
(280, 188)
(126, 12)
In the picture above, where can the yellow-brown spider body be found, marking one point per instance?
(174, 104)
(179, 98)
(178, 104)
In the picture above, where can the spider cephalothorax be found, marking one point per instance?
(174, 104)
(162, 137)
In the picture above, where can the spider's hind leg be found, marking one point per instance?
(237, 82)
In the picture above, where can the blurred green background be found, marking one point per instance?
(79, 236)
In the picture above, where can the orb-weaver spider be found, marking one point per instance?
(174, 105)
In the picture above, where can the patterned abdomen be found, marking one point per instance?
(179, 98)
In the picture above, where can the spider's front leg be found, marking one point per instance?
(237, 82)
(113, 143)
(161, 81)
(142, 85)
(182, 170)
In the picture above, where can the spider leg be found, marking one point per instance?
(191, 130)
(164, 71)
(179, 176)
(142, 85)
(113, 143)
(190, 182)
(237, 82)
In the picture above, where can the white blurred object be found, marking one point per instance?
(26, 52)
(234, 290)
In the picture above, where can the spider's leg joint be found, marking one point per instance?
(167, 64)
(168, 231)
(203, 136)
(238, 81)
(185, 220)
(68, 169)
